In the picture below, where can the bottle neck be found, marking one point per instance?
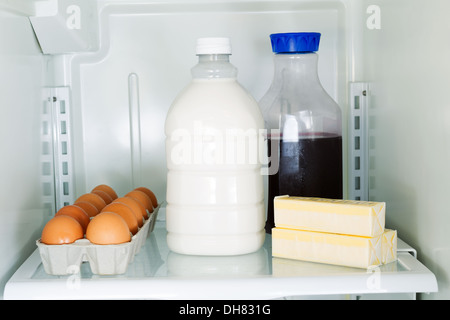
(214, 66)
(297, 68)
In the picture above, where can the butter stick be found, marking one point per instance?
(389, 246)
(330, 248)
(361, 218)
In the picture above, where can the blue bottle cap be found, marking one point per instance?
(295, 42)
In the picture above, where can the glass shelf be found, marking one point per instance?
(158, 273)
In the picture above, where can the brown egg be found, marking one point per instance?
(125, 212)
(77, 213)
(150, 194)
(106, 197)
(62, 229)
(88, 207)
(138, 209)
(93, 198)
(108, 228)
(105, 188)
(142, 198)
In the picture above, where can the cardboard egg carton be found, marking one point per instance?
(63, 259)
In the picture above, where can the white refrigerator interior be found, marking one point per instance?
(85, 87)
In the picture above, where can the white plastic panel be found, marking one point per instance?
(155, 44)
(66, 26)
(25, 7)
(22, 211)
(406, 61)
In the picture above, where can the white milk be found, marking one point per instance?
(215, 196)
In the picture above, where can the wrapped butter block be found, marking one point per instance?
(360, 218)
(389, 246)
(331, 248)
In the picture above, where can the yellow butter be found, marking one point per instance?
(389, 246)
(331, 248)
(361, 218)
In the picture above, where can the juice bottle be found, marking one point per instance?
(304, 126)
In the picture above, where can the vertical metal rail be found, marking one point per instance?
(47, 161)
(359, 141)
(57, 154)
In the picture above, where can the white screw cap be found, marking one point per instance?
(213, 46)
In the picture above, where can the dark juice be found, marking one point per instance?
(309, 167)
